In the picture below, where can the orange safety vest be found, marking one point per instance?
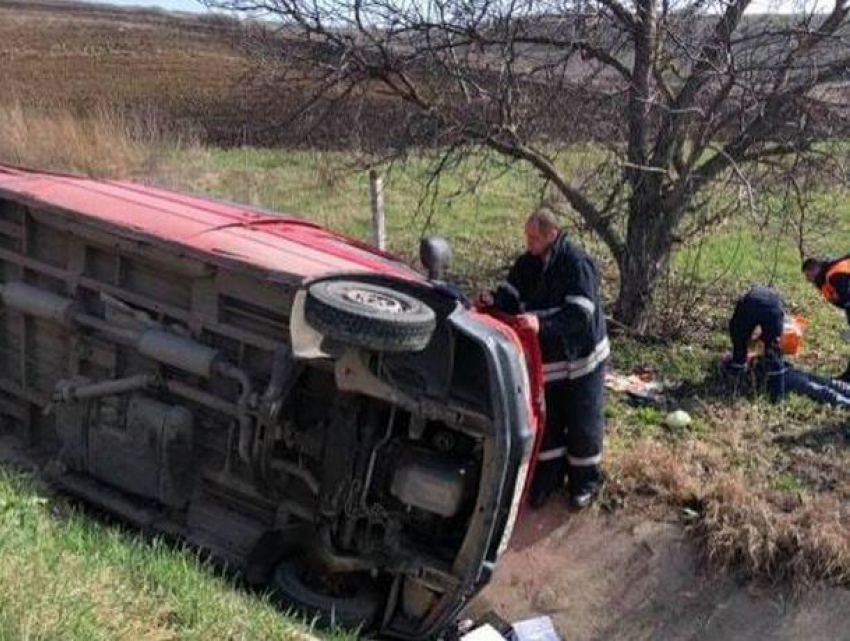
(829, 292)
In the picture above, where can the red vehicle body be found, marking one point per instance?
(317, 414)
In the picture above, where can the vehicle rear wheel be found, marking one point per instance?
(347, 600)
(371, 316)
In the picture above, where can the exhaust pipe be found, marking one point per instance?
(156, 344)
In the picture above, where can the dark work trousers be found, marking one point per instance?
(845, 375)
(822, 390)
(752, 312)
(572, 441)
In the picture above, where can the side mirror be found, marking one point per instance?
(436, 255)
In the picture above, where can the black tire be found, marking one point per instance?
(370, 316)
(358, 607)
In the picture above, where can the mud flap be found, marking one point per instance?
(307, 343)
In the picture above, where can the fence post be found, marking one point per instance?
(379, 222)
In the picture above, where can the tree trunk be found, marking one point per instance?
(648, 245)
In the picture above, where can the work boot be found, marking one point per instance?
(539, 497)
(583, 498)
(542, 490)
(548, 479)
(732, 369)
(733, 377)
(584, 485)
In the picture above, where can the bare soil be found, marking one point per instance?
(79, 56)
(602, 576)
(239, 85)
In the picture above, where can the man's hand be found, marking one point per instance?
(484, 298)
(531, 321)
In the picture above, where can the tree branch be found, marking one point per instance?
(576, 199)
(670, 137)
(620, 12)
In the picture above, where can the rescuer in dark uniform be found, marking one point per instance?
(557, 284)
(761, 307)
(832, 278)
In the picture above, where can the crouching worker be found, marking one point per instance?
(761, 312)
(557, 285)
(832, 278)
(760, 309)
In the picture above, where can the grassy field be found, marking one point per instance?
(479, 205)
(83, 56)
(202, 70)
(66, 575)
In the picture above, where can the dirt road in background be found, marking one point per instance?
(602, 577)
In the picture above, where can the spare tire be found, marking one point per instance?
(370, 316)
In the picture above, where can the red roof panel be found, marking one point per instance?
(275, 243)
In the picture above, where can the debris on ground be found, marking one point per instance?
(642, 388)
(678, 419)
(492, 628)
(535, 629)
(470, 626)
(484, 632)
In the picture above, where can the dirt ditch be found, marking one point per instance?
(606, 577)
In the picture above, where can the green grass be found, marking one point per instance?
(66, 575)
(788, 483)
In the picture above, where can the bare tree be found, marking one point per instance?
(680, 95)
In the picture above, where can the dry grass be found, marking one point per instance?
(742, 531)
(653, 469)
(105, 143)
(751, 512)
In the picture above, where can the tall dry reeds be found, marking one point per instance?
(741, 531)
(740, 524)
(104, 142)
